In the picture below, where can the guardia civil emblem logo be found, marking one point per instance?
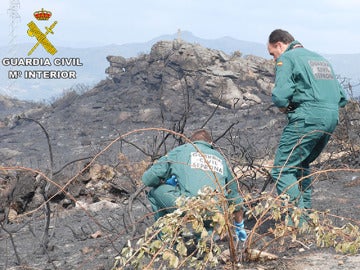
(41, 37)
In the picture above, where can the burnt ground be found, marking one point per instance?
(102, 210)
(337, 193)
(91, 233)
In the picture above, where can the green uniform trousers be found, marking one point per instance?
(302, 141)
(162, 199)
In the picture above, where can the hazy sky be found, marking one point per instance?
(326, 26)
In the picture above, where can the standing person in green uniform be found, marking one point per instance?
(307, 90)
(187, 169)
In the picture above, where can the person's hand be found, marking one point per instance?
(172, 181)
(283, 109)
(290, 108)
(240, 231)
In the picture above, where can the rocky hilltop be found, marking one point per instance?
(174, 67)
(176, 83)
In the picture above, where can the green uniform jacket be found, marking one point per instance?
(193, 172)
(303, 76)
(305, 81)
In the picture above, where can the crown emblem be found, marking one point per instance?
(42, 15)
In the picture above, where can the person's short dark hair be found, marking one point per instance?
(280, 35)
(201, 135)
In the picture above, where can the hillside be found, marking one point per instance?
(94, 64)
(103, 139)
(153, 90)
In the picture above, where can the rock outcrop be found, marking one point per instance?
(175, 67)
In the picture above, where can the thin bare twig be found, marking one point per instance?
(130, 204)
(18, 260)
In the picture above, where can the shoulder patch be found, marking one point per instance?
(279, 63)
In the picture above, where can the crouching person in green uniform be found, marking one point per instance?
(183, 172)
(307, 90)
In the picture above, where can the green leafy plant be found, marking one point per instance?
(181, 238)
